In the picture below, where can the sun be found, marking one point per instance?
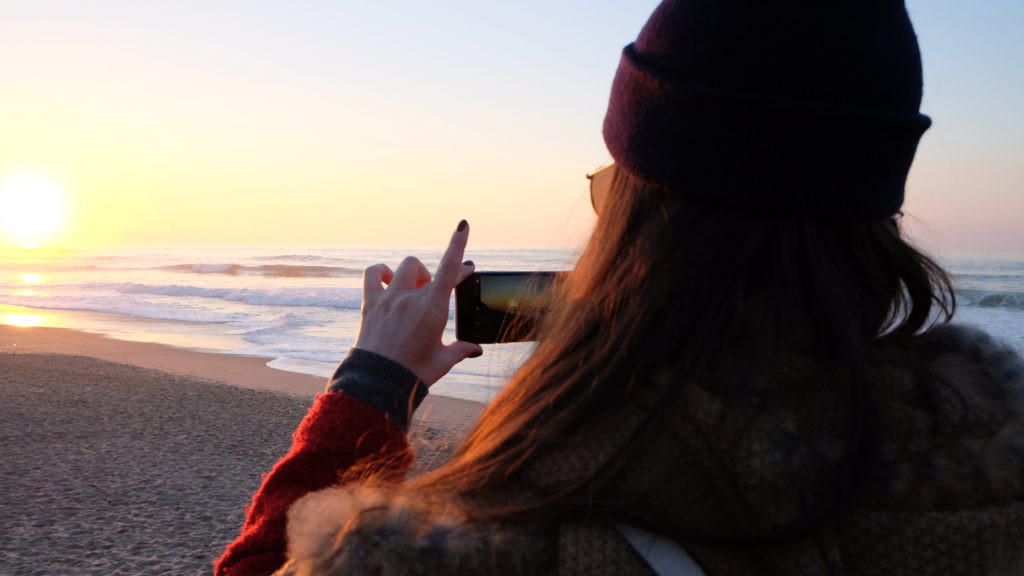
(32, 208)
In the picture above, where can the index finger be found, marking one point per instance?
(448, 269)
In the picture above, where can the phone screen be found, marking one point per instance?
(495, 307)
(524, 294)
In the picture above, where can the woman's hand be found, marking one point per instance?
(404, 322)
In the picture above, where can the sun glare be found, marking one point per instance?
(23, 320)
(32, 209)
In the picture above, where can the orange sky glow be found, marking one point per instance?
(357, 124)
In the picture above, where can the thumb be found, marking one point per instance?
(458, 351)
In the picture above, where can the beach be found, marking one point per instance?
(138, 412)
(139, 458)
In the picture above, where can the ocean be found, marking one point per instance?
(300, 307)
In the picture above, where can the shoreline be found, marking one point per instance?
(474, 380)
(251, 372)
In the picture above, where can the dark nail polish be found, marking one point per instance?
(476, 354)
(462, 226)
(467, 263)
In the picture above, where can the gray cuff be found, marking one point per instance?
(381, 383)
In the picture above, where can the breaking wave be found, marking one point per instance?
(343, 298)
(991, 299)
(267, 270)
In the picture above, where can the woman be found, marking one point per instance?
(748, 361)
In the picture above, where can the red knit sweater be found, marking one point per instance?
(338, 434)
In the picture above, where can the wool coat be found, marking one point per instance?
(747, 467)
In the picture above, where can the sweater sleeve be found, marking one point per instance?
(339, 438)
(381, 383)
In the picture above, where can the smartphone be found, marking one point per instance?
(499, 307)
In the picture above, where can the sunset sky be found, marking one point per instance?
(383, 123)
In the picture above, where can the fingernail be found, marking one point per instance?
(467, 263)
(462, 226)
(476, 354)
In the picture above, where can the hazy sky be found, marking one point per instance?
(380, 123)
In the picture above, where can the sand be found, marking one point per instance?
(133, 458)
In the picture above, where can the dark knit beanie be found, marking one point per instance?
(786, 107)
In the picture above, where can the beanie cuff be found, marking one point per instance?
(754, 153)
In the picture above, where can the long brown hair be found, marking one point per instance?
(665, 283)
